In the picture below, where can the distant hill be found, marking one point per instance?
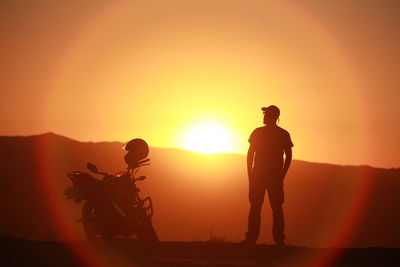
(197, 197)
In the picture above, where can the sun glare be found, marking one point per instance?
(208, 138)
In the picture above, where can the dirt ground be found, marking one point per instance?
(16, 252)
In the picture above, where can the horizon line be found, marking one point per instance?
(200, 153)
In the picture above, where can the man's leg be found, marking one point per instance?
(254, 222)
(256, 197)
(276, 199)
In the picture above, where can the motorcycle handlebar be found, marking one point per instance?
(141, 178)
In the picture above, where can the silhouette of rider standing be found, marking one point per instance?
(267, 169)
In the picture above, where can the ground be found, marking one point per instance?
(16, 252)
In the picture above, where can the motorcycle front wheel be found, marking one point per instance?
(146, 233)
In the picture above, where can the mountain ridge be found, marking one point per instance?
(197, 196)
(66, 138)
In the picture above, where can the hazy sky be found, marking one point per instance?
(114, 70)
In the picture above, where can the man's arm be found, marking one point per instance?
(250, 159)
(288, 160)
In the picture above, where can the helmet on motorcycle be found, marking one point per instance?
(138, 148)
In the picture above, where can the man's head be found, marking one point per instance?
(271, 114)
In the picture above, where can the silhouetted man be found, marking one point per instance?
(267, 169)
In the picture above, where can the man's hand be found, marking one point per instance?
(288, 160)
(249, 173)
(283, 173)
(250, 158)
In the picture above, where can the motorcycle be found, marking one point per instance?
(113, 206)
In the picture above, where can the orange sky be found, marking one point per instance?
(113, 70)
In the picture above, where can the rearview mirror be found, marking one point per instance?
(92, 167)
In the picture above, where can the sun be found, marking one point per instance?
(208, 137)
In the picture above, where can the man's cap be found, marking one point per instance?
(272, 110)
